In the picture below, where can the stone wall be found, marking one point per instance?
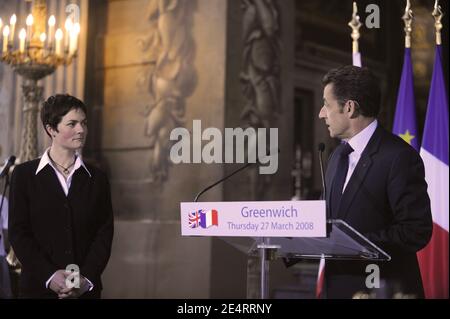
(138, 48)
(146, 43)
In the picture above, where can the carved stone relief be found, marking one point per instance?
(171, 81)
(260, 77)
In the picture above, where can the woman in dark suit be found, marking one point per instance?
(61, 219)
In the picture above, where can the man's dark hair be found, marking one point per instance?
(356, 84)
(56, 107)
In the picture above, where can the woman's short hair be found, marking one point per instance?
(56, 107)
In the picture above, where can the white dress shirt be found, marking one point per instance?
(65, 184)
(358, 143)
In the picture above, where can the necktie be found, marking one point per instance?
(336, 194)
(339, 179)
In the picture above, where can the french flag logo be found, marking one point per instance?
(209, 218)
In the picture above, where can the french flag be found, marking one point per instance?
(357, 59)
(433, 259)
(209, 218)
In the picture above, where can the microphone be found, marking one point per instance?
(8, 163)
(321, 149)
(227, 177)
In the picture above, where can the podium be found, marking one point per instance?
(306, 239)
(343, 243)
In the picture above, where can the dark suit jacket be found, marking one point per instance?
(49, 231)
(386, 200)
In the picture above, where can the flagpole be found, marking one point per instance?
(433, 259)
(408, 19)
(437, 14)
(405, 124)
(355, 24)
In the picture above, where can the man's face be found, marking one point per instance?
(336, 117)
(72, 130)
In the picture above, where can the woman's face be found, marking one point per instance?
(72, 130)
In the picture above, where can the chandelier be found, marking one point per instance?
(35, 48)
(39, 43)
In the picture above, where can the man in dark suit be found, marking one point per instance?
(375, 182)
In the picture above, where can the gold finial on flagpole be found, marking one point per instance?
(437, 14)
(408, 19)
(355, 24)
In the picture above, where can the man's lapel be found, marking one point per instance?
(360, 172)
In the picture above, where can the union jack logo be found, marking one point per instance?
(194, 219)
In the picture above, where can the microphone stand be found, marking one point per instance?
(322, 174)
(220, 181)
(8, 286)
(227, 177)
(264, 247)
(4, 190)
(324, 189)
(11, 258)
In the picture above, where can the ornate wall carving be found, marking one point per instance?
(172, 80)
(261, 72)
(260, 77)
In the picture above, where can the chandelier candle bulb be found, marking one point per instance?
(42, 38)
(58, 39)
(22, 37)
(29, 23)
(68, 26)
(51, 30)
(5, 38)
(74, 38)
(12, 23)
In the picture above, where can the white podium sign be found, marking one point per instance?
(254, 219)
